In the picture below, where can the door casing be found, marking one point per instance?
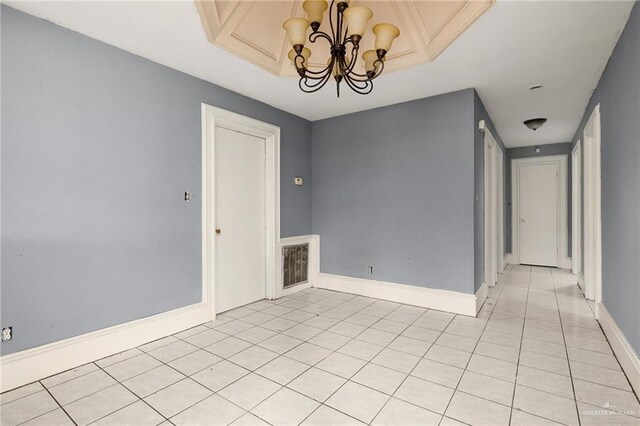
(576, 212)
(213, 117)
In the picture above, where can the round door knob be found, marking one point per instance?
(522, 220)
(218, 231)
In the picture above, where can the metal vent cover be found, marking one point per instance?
(295, 264)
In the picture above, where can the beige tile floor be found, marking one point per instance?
(534, 356)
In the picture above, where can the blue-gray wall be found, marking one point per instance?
(527, 152)
(618, 94)
(393, 187)
(98, 147)
(480, 113)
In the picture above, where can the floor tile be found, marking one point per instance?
(227, 347)
(522, 418)
(158, 343)
(457, 342)
(82, 386)
(317, 384)
(605, 396)
(249, 391)
(209, 337)
(282, 370)
(153, 380)
(137, 414)
(325, 416)
(347, 329)
(379, 378)
(321, 322)
(450, 356)
(396, 360)
(360, 349)
(600, 375)
(543, 404)
(437, 372)
(253, 357)
(258, 318)
(279, 324)
(308, 353)
(544, 362)
(173, 351)
(20, 392)
(128, 368)
(249, 419)
(220, 375)
(99, 404)
(487, 387)
(556, 384)
(298, 407)
(420, 333)
(377, 337)
(493, 367)
(52, 418)
(213, 410)
(255, 334)
(302, 331)
(195, 361)
(177, 397)
(493, 350)
(398, 412)
(66, 376)
(280, 343)
(410, 346)
(26, 408)
(477, 411)
(426, 394)
(330, 340)
(358, 401)
(231, 328)
(341, 365)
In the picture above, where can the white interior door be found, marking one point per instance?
(576, 211)
(240, 259)
(538, 209)
(490, 217)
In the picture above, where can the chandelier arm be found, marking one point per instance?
(321, 80)
(307, 88)
(355, 82)
(310, 74)
(333, 32)
(361, 90)
(313, 37)
(354, 57)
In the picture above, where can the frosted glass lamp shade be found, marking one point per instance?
(306, 54)
(315, 9)
(370, 57)
(385, 34)
(296, 30)
(357, 18)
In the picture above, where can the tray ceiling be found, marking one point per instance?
(253, 30)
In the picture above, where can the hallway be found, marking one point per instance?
(534, 356)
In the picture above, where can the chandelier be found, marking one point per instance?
(347, 25)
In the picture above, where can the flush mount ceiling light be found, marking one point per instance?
(347, 26)
(536, 87)
(535, 123)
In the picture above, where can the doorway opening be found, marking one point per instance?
(493, 208)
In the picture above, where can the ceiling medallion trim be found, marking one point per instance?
(446, 20)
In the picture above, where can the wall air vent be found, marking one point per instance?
(295, 265)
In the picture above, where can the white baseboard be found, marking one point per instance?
(621, 347)
(26, 366)
(443, 300)
(481, 296)
(508, 259)
(566, 263)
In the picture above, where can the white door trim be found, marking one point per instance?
(563, 259)
(213, 117)
(593, 212)
(576, 209)
(500, 210)
(493, 251)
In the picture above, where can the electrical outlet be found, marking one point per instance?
(370, 269)
(7, 333)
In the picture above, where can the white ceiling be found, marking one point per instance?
(563, 45)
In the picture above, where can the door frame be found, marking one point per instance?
(213, 117)
(576, 211)
(492, 210)
(593, 211)
(563, 260)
